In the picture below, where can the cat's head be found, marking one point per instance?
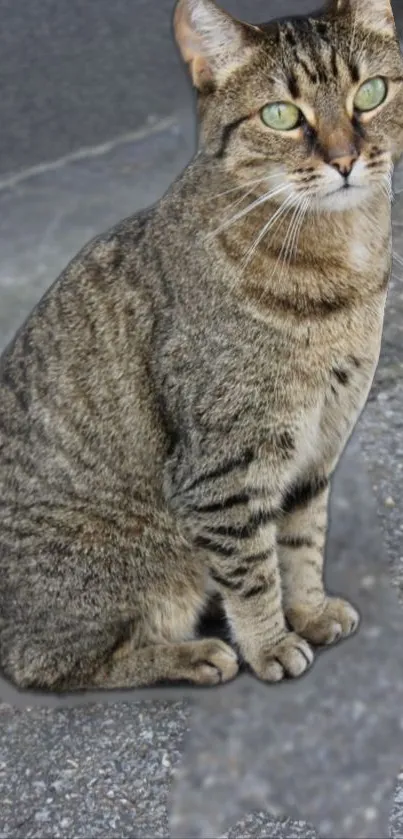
(311, 105)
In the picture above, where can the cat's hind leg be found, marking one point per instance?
(84, 656)
(117, 608)
(204, 662)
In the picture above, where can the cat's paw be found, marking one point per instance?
(210, 662)
(290, 657)
(336, 620)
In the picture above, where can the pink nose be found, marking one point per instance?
(344, 164)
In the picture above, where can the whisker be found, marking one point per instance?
(361, 51)
(238, 201)
(304, 209)
(285, 206)
(254, 182)
(282, 82)
(284, 250)
(293, 235)
(297, 219)
(398, 258)
(389, 183)
(282, 257)
(238, 216)
(352, 43)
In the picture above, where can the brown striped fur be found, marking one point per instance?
(171, 413)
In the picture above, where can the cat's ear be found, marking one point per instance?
(371, 14)
(211, 41)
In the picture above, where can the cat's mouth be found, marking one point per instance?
(344, 197)
(347, 185)
(346, 190)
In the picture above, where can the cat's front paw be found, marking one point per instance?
(290, 657)
(335, 620)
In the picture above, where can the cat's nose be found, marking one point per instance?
(344, 164)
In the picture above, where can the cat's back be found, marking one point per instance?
(75, 378)
(95, 277)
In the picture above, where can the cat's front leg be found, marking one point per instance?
(301, 541)
(251, 588)
(243, 565)
(230, 511)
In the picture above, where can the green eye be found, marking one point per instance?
(282, 116)
(371, 94)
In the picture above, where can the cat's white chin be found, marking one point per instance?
(342, 199)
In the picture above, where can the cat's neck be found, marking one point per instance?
(322, 256)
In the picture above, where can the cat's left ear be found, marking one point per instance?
(371, 14)
(211, 41)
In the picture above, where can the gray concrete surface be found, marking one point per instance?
(73, 74)
(106, 771)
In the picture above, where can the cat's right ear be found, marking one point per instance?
(211, 41)
(370, 14)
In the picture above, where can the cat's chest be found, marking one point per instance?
(259, 376)
(244, 385)
(341, 402)
(337, 395)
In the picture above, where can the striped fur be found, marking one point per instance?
(172, 411)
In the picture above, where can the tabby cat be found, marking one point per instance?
(172, 411)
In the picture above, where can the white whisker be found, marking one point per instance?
(282, 258)
(352, 43)
(285, 206)
(361, 51)
(238, 216)
(304, 208)
(282, 82)
(238, 201)
(387, 184)
(254, 182)
(398, 258)
(303, 203)
(293, 235)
